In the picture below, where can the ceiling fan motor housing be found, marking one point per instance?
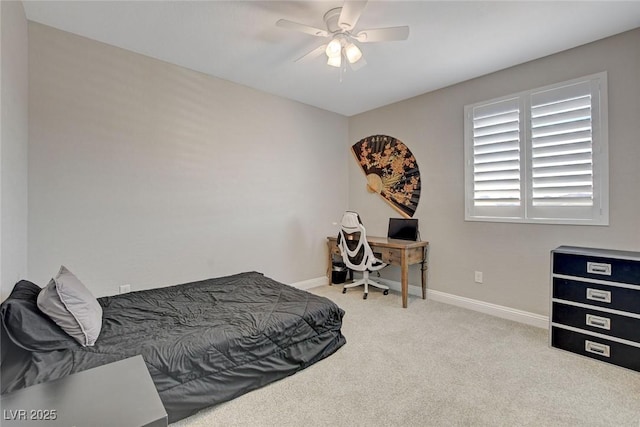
(331, 20)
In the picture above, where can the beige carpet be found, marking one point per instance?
(433, 364)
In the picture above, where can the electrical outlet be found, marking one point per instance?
(125, 288)
(478, 276)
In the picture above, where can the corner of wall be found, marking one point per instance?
(13, 145)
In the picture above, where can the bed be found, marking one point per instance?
(203, 342)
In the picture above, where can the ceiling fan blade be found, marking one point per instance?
(290, 25)
(356, 66)
(383, 34)
(313, 54)
(351, 11)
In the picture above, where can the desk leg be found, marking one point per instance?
(425, 267)
(405, 277)
(330, 264)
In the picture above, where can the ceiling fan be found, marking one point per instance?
(342, 48)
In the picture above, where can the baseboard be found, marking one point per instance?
(311, 283)
(501, 311)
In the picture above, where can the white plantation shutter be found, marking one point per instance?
(561, 146)
(539, 156)
(496, 154)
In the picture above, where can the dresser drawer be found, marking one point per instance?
(592, 267)
(624, 327)
(613, 297)
(597, 348)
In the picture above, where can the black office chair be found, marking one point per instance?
(357, 254)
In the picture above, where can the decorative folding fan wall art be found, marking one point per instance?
(391, 170)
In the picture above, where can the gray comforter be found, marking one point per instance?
(203, 342)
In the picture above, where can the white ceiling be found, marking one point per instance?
(449, 42)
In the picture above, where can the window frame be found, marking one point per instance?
(597, 214)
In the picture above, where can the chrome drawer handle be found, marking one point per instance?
(597, 348)
(598, 295)
(599, 322)
(599, 268)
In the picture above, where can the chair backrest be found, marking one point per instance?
(352, 241)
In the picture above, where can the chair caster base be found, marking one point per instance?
(386, 292)
(344, 290)
(364, 296)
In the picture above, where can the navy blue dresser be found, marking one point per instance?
(595, 304)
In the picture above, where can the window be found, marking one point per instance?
(539, 156)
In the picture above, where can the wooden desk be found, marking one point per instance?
(394, 252)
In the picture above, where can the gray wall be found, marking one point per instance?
(13, 145)
(147, 173)
(513, 257)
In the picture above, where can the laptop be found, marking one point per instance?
(403, 228)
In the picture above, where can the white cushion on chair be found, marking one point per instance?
(350, 225)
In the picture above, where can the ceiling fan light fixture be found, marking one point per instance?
(335, 61)
(334, 48)
(342, 45)
(353, 53)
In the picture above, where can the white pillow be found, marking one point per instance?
(72, 307)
